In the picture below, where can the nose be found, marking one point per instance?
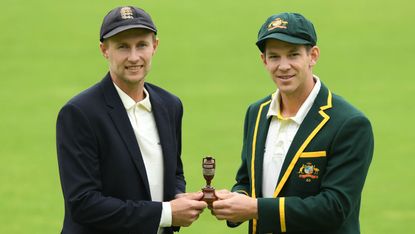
(134, 55)
(284, 64)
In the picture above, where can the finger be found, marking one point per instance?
(199, 205)
(196, 217)
(223, 214)
(220, 217)
(199, 209)
(216, 205)
(221, 204)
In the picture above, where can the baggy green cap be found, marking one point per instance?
(289, 27)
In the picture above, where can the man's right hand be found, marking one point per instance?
(186, 208)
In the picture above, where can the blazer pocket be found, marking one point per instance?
(313, 154)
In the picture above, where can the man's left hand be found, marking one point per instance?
(234, 207)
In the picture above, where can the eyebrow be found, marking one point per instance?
(292, 49)
(295, 49)
(122, 42)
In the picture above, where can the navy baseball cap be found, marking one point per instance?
(289, 27)
(124, 18)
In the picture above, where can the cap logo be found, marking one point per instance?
(277, 23)
(126, 13)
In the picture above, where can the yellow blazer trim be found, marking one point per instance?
(253, 194)
(315, 154)
(254, 148)
(282, 215)
(306, 142)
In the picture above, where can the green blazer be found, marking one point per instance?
(321, 181)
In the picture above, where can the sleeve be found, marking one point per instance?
(79, 167)
(242, 176)
(340, 193)
(180, 180)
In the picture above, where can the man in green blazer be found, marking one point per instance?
(306, 151)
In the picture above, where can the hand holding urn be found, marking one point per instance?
(208, 165)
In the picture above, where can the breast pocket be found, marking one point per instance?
(305, 179)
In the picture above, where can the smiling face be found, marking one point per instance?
(129, 55)
(290, 66)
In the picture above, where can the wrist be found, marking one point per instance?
(254, 208)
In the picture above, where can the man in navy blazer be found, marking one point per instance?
(119, 142)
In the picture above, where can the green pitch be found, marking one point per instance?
(49, 52)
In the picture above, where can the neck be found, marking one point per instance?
(291, 103)
(133, 90)
(136, 93)
(289, 106)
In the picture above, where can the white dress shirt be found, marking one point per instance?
(281, 133)
(145, 130)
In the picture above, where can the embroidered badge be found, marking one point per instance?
(277, 23)
(126, 13)
(308, 172)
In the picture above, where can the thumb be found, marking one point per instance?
(223, 196)
(222, 192)
(179, 195)
(194, 196)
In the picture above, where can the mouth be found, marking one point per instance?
(134, 68)
(285, 77)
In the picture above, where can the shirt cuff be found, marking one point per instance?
(166, 216)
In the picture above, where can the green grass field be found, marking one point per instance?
(49, 52)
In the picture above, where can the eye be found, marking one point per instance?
(294, 54)
(142, 45)
(273, 56)
(122, 46)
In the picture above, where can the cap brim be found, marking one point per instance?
(126, 27)
(281, 37)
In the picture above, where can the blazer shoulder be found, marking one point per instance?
(342, 112)
(89, 100)
(161, 93)
(263, 101)
(342, 108)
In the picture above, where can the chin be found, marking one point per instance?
(286, 90)
(135, 79)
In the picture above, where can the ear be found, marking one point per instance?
(315, 55)
(263, 58)
(104, 49)
(155, 45)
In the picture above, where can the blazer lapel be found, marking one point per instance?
(162, 119)
(258, 146)
(121, 121)
(311, 125)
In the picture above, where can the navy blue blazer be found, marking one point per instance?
(102, 172)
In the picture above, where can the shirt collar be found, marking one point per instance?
(274, 109)
(129, 103)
